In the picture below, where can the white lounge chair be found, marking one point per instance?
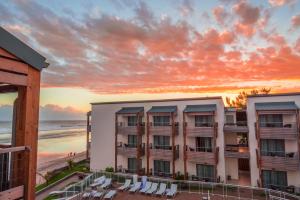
(110, 194)
(162, 189)
(146, 188)
(89, 194)
(102, 178)
(152, 189)
(126, 185)
(172, 191)
(97, 195)
(98, 181)
(106, 183)
(135, 187)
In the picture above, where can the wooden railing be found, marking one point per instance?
(163, 129)
(13, 162)
(201, 157)
(165, 153)
(123, 129)
(129, 150)
(239, 127)
(287, 162)
(236, 152)
(287, 131)
(201, 131)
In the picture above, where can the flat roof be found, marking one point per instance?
(15, 46)
(275, 94)
(157, 100)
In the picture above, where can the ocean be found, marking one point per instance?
(56, 138)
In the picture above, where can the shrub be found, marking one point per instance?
(109, 169)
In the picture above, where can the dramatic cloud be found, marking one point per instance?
(295, 21)
(280, 2)
(146, 53)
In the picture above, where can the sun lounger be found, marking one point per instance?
(152, 189)
(135, 187)
(162, 189)
(97, 195)
(146, 188)
(98, 181)
(88, 194)
(102, 178)
(172, 192)
(106, 183)
(110, 194)
(126, 185)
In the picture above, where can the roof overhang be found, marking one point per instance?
(13, 45)
(276, 106)
(163, 109)
(130, 110)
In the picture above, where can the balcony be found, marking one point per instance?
(236, 151)
(163, 129)
(13, 162)
(239, 127)
(164, 152)
(201, 156)
(124, 129)
(280, 161)
(130, 150)
(275, 130)
(201, 130)
(132, 171)
(161, 174)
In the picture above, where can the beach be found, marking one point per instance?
(57, 139)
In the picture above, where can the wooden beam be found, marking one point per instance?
(12, 78)
(7, 54)
(8, 88)
(13, 65)
(13, 193)
(12, 149)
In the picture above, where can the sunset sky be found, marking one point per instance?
(112, 50)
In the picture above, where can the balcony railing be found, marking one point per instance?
(164, 152)
(132, 171)
(278, 130)
(203, 179)
(163, 129)
(201, 129)
(236, 151)
(161, 173)
(130, 150)
(132, 129)
(201, 155)
(285, 161)
(238, 127)
(13, 162)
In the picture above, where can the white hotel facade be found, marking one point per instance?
(201, 139)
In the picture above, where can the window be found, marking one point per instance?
(274, 120)
(205, 172)
(132, 120)
(204, 144)
(132, 141)
(272, 147)
(203, 120)
(161, 168)
(161, 142)
(274, 179)
(132, 162)
(229, 119)
(161, 120)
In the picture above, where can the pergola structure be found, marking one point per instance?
(20, 71)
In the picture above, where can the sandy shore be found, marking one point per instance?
(52, 165)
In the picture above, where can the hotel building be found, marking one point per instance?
(200, 139)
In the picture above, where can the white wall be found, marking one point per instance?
(232, 168)
(251, 116)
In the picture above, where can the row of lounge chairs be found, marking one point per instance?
(98, 189)
(150, 188)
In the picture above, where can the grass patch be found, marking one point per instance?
(78, 167)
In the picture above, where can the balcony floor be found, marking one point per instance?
(244, 179)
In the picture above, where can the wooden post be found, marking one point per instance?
(27, 115)
(139, 144)
(116, 142)
(173, 145)
(148, 148)
(184, 147)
